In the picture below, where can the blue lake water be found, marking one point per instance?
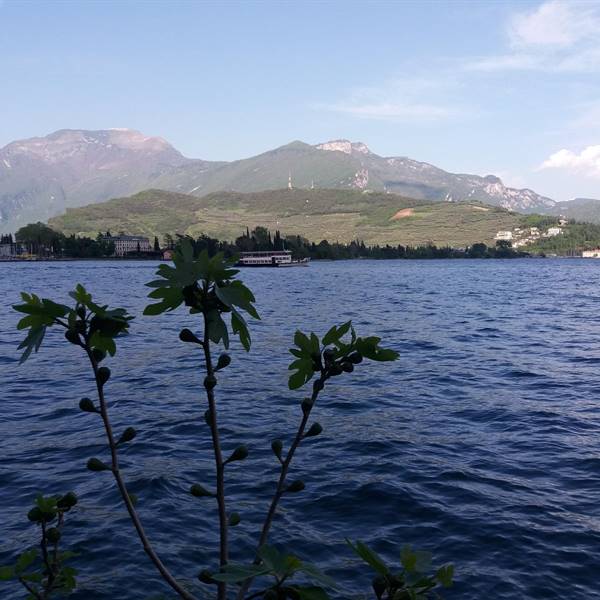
(481, 444)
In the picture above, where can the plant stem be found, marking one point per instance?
(31, 590)
(166, 575)
(280, 490)
(219, 464)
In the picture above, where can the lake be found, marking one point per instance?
(481, 444)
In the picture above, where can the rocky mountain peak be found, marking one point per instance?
(345, 146)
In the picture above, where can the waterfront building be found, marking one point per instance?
(591, 253)
(128, 244)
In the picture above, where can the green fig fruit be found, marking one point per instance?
(127, 435)
(277, 447)
(73, 337)
(80, 311)
(295, 486)
(35, 514)
(210, 381)
(240, 453)
(69, 500)
(355, 358)
(329, 355)
(199, 491)
(95, 464)
(307, 405)
(86, 405)
(335, 370)
(185, 335)
(224, 361)
(234, 519)
(98, 355)
(315, 429)
(205, 576)
(53, 535)
(103, 375)
(347, 367)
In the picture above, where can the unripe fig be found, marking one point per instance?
(205, 576)
(355, 358)
(240, 453)
(35, 514)
(72, 336)
(199, 491)
(53, 535)
(347, 366)
(210, 381)
(185, 335)
(103, 375)
(277, 447)
(335, 370)
(69, 500)
(318, 385)
(329, 355)
(315, 429)
(379, 586)
(80, 326)
(296, 486)
(127, 435)
(81, 311)
(98, 355)
(234, 519)
(307, 405)
(95, 464)
(86, 405)
(224, 361)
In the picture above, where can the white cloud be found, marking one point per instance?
(587, 162)
(558, 36)
(555, 23)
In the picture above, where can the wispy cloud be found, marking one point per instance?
(586, 162)
(399, 100)
(557, 36)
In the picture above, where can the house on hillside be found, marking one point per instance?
(553, 231)
(506, 236)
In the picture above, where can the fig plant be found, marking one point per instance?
(207, 287)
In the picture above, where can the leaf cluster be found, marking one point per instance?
(334, 354)
(411, 581)
(205, 285)
(86, 324)
(281, 568)
(45, 572)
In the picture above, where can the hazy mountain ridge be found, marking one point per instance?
(41, 177)
(580, 209)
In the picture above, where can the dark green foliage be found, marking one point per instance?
(411, 581)
(315, 429)
(338, 355)
(199, 491)
(43, 572)
(296, 486)
(240, 453)
(128, 435)
(95, 464)
(205, 285)
(86, 405)
(85, 322)
(281, 569)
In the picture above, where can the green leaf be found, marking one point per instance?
(236, 573)
(415, 561)
(370, 557)
(297, 380)
(25, 560)
(302, 341)
(310, 593)
(239, 327)
(445, 575)
(7, 573)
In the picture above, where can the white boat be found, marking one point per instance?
(270, 258)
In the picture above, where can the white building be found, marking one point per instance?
(506, 236)
(126, 244)
(591, 253)
(553, 231)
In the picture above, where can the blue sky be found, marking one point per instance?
(510, 88)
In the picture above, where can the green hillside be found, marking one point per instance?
(336, 215)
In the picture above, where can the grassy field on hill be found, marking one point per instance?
(336, 215)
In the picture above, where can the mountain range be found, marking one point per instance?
(43, 176)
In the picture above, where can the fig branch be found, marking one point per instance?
(210, 382)
(101, 376)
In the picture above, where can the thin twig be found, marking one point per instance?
(31, 590)
(280, 490)
(123, 489)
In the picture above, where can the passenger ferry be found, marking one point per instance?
(270, 258)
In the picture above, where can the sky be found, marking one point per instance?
(508, 88)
